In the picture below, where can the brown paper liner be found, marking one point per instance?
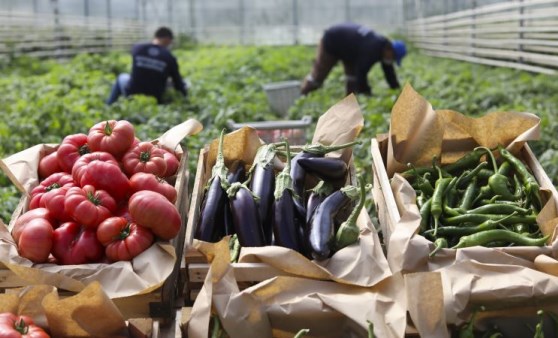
(283, 305)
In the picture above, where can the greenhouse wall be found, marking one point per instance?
(66, 27)
(521, 34)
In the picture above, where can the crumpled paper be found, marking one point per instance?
(120, 279)
(283, 305)
(509, 288)
(89, 313)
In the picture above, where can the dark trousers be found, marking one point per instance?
(323, 64)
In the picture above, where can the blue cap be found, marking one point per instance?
(400, 50)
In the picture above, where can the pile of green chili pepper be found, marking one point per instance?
(468, 329)
(481, 199)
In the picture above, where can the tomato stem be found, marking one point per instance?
(84, 149)
(21, 327)
(145, 156)
(125, 232)
(108, 129)
(93, 198)
(52, 187)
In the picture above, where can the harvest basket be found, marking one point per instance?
(282, 95)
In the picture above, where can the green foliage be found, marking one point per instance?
(42, 101)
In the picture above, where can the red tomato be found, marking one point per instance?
(50, 194)
(75, 244)
(53, 182)
(12, 326)
(172, 163)
(124, 212)
(152, 210)
(48, 165)
(145, 158)
(35, 240)
(145, 181)
(82, 163)
(112, 136)
(135, 143)
(89, 206)
(70, 150)
(22, 220)
(122, 239)
(108, 177)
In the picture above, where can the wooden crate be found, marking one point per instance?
(386, 207)
(161, 303)
(246, 274)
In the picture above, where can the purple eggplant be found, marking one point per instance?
(298, 173)
(328, 169)
(210, 222)
(237, 174)
(317, 196)
(321, 229)
(286, 228)
(262, 184)
(211, 213)
(246, 218)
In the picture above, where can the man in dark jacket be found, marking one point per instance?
(152, 65)
(358, 48)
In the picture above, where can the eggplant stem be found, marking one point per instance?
(219, 169)
(348, 231)
(320, 149)
(284, 180)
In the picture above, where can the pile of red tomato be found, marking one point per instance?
(102, 197)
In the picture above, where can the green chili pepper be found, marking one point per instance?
(302, 333)
(425, 215)
(499, 209)
(370, 329)
(421, 182)
(539, 327)
(470, 160)
(469, 195)
(494, 200)
(411, 174)
(217, 331)
(479, 218)
(518, 187)
(498, 182)
(470, 174)
(438, 199)
(234, 248)
(530, 185)
(449, 197)
(488, 236)
(466, 331)
(521, 228)
(439, 244)
(463, 231)
(484, 174)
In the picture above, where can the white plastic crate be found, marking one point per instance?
(273, 131)
(282, 95)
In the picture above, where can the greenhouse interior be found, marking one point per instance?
(137, 137)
